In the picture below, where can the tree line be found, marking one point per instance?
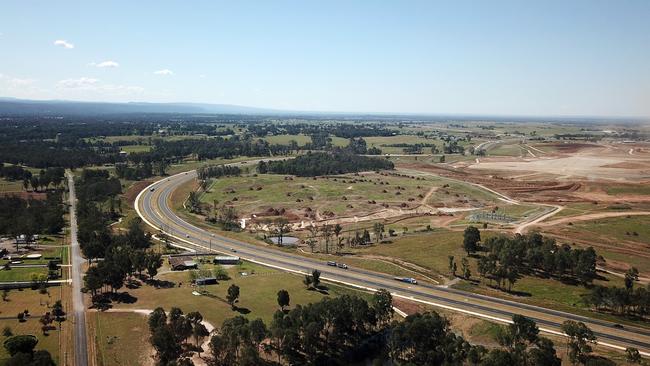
(627, 300)
(32, 216)
(124, 254)
(324, 163)
(351, 330)
(506, 258)
(217, 171)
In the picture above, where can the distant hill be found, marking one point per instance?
(11, 106)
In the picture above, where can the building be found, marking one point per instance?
(226, 259)
(205, 281)
(182, 263)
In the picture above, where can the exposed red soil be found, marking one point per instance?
(134, 190)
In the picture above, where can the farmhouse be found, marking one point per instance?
(182, 263)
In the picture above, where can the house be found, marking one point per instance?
(182, 263)
(225, 259)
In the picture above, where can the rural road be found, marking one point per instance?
(80, 338)
(152, 205)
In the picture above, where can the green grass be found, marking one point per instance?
(20, 274)
(258, 294)
(136, 148)
(640, 189)
(37, 304)
(121, 338)
(428, 250)
(301, 140)
(11, 186)
(507, 150)
(618, 228)
(484, 332)
(327, 194)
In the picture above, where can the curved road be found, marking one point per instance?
(152, 204)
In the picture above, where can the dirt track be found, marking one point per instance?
(592, 216)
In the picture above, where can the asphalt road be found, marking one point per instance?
(80, 338)
(152, 204)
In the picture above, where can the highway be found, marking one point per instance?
(152, 205)
(80, 338)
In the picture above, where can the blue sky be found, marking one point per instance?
(461, 57)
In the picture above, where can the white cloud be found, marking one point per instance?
(63, 43)
(106, 64)
(91, 85)
(164, 72)
(80, 83)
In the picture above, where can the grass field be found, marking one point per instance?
(37, 304)
(633, 228)
(507, 150)
(628, 189)
(121, 338)
(11, 186)
(258, 293)
(333, 194)
(136, 148)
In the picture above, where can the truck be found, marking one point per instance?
(410, 280)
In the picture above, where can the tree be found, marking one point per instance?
(153, 262)
(57, 311)
(315, 276)
(165, 343)
(631, 276)
(157, 319)
(464, 267)
(326, 230)
(471, 237)
(378, 229)
(451, 265)
(282, 227)
(632, 355)
(233, 295)
(283, 299)
(382, 302)
(307, 281)
(337, 232)
(579, 337)
(20, 344)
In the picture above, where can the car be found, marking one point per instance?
(618, 326)
(331, 263)
(152, 189)
(233, 250)
(187, 235)
(342, 265)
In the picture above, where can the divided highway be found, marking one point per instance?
(152, 204)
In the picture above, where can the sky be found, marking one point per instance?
(529, 58)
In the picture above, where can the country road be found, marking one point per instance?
(152, 205)
(80, 337)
